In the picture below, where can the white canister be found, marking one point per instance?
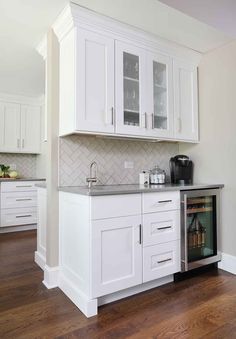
(144, 178)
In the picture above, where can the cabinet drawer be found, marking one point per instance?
(20, 216)
(161, 227)
(158, 202)
(112, 206)
(18, 186)
(161, 260)
(18, 199)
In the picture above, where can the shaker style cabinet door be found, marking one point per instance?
(185, 101)
(9, 127)
(30, 129)
(131, 117)
(95, 82)
(160, 94)
(116, 254)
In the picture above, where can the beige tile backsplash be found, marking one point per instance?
(77, 152)
(25, 163)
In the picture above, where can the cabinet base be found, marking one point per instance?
(90, 306)
(10, 229)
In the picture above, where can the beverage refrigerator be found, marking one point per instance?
(199, 228)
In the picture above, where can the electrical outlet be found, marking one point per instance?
(12, 167)
(128, 164)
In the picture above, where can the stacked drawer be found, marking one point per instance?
(161, 234)
(18, 203)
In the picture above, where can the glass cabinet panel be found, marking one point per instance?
(160, 99)
(201, 227)
(131, 89)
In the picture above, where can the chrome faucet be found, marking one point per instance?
(92, 178)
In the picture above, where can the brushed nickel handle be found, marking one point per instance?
(23, 199)
(180, 124)
(24, 216)
(140, 234)
(163, 201)
(153, 121)
(23, 143)
(145, 119)
(164, 227)
(24, 186)
(165, 260)
(112, 115)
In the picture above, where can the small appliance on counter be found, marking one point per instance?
(181, 170)
(157, 176)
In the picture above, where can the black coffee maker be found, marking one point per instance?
(181, 170)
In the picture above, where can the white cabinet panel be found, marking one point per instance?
(18, 216)
(116, 254)
(160, 94)
(161, 227)
(30, 129)
(113, 206)
(161, 260)
(18, 186)
(18, 199)
(130, 89)
(185, 101)
(95, 79)
(9, 127)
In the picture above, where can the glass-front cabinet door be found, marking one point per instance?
(161, 95)
(130, 90)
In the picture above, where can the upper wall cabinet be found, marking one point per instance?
(186, 101)
(20, 128)
(118, 81)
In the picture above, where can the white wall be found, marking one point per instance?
(215, 156)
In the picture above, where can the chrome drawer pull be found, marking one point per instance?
(24, 216)
(140, 234)
(24, 199)
(165, 260)
(24, 186)
(163, 201)
(163, 228)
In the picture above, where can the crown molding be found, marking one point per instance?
(75, 16)
(41, 48)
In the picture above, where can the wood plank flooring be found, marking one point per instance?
(200, 307)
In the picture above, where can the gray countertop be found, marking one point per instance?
(42, 184)
(132, 189)
(21, 179)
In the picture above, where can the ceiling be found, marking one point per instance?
(220, 14)
(23, 23)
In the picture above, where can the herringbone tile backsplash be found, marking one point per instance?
(77, 152)
(25, 163)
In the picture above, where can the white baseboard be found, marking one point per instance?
(88, 306)
(134, 290)
(51, 276)
(39, 259)
(228, 263)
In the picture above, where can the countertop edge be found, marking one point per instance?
(81, 190)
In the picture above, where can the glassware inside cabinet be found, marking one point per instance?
(160, 95)
(131, 89)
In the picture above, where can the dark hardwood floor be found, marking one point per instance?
(200, 307)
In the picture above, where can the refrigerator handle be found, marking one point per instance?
(185, 231)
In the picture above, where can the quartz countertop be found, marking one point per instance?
(21, 179)
(100, 190)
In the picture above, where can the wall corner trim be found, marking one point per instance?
(228, 263)
(51, 276)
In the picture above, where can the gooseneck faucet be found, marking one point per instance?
(92, 178)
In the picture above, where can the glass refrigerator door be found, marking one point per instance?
(201, 227)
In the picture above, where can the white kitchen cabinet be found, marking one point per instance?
(160, 96)
(130, 89)
(116, 254)
(106, 253)
(10, 127)
(185, 101)
(150, 101)
(30, 129)
(87, 83)
(20, 129)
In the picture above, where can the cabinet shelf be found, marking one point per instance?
(160, 116)
(199, 210)
(131, 111)
(131, 79)
(199, 201)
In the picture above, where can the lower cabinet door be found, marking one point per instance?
(18, 216)
(161, 260)
(116, 254)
